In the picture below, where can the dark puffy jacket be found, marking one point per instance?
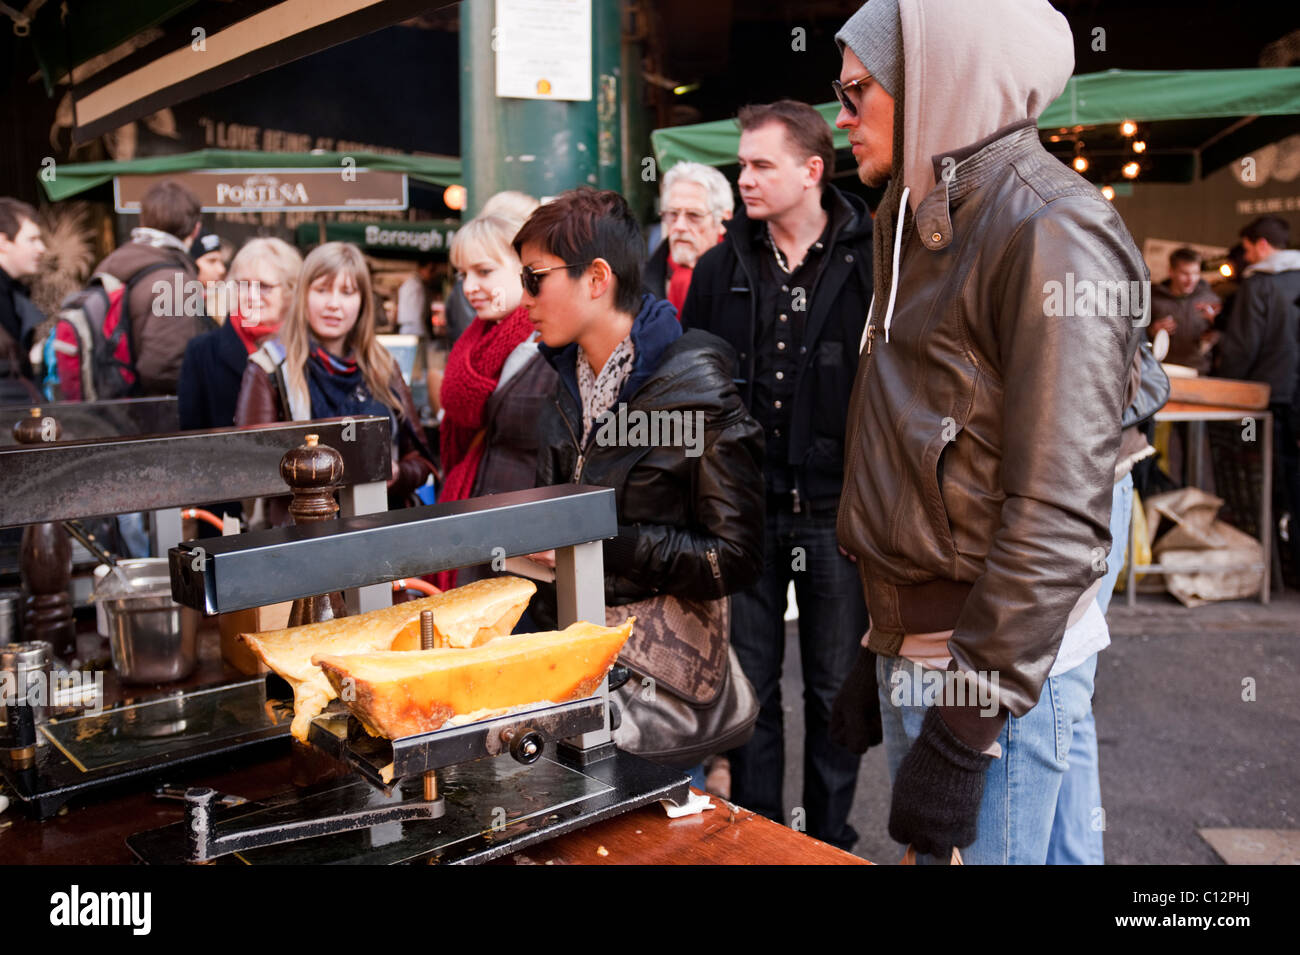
(722, 301)
(1261, 340)
(689, 525)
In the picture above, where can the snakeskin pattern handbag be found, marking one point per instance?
(688, 697)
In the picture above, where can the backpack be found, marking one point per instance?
(92, 338)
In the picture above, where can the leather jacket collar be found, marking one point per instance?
(962, 171)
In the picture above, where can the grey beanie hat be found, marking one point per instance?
(875, 36)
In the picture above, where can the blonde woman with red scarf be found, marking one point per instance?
(496, 382)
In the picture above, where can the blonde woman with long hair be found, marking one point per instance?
(327, 363)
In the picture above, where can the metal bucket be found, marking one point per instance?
(153, 638)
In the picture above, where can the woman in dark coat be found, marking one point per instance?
(263, 277)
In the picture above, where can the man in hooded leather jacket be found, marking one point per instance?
(984, 426)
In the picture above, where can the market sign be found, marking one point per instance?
(275, 190)
(379, 238)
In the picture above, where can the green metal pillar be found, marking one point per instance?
(541, 147)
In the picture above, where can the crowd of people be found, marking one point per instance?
(891, 421)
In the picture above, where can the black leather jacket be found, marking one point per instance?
(983, 435)
(690, 524)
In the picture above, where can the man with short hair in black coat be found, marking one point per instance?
(788, 289)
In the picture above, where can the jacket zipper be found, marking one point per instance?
(713, 562)
(582, 452)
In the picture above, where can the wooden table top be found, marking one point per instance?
(95, 833)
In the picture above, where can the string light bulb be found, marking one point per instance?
(1080, 163)
(1139, 145)
(1128, 127)
(1131, 170)
(454, 196)
(1108, 191)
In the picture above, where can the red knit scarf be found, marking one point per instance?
(473, 370)
(251, 335)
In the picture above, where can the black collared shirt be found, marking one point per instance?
(784, 300)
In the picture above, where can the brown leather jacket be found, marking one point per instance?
(983, 436)
(259, 403)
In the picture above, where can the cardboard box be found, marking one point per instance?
(254, 620)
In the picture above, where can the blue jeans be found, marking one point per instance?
(1020, 788)
(1078, 831)
(832, 620)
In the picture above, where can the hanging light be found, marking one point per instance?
(1128, 127)
(1226, 270)
(1108, 191)
(453, 197)
(1139, 145)
(1131, 170)
(1080, 162)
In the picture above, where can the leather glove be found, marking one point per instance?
(937, 790)
(855, 714)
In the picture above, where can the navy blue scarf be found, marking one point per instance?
(338, 388)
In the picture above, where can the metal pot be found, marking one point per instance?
(11, 615)
(153, 638)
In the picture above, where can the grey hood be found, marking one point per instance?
(971, 69)
(1283, 260)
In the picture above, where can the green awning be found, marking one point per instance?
(385, 238)
(1203, 119)
(73, 178)
(1097, 99)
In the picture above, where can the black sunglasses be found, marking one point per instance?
(841, 94)
(532, 278)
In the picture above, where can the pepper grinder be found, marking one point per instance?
(313, 472)
(45, 559)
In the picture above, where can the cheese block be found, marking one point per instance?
(464, 617)
(402, 694)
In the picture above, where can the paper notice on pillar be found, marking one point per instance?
(543, 49)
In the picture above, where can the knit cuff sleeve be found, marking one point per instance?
(620, 551)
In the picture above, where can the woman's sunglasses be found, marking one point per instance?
(842, 95)
(532, 278)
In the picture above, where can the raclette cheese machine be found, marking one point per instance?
(468, 793)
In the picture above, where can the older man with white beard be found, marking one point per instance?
(694, 202)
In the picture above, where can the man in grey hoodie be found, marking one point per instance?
(1261, 342)
(984, 426)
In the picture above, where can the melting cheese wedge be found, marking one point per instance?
(403, 694)
(464, 617)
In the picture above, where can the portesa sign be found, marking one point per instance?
(275, 190)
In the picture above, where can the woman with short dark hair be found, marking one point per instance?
(643, 408)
